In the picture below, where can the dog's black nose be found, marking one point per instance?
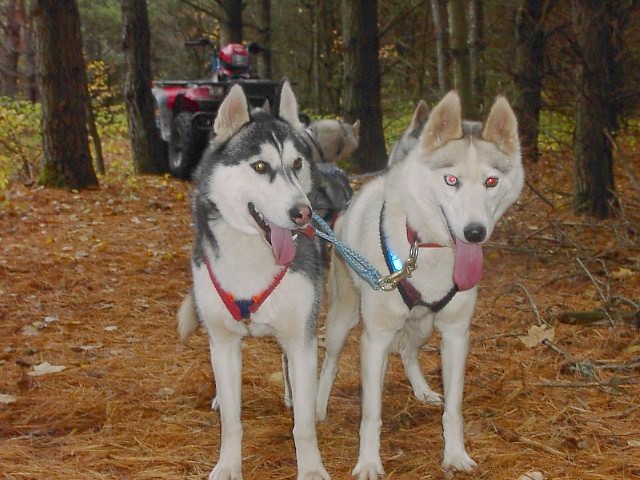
(300, 214)
(475, 233)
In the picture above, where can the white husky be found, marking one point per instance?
(444, 198)
(253, 274)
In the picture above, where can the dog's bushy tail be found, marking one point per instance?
(187, 317)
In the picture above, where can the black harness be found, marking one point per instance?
(410, 294)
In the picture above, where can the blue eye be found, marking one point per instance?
(451, 180)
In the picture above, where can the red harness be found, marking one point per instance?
(241, 309)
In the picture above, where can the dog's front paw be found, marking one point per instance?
(429, 396)
(316, 474)
(222, 472)
(368, 470)
(458, 461)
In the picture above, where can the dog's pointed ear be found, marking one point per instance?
(444, 124)
(288, 108)
(232, 114)
(356, 130)
(420, 116)
(501, 127)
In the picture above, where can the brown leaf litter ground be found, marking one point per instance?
(91, 282)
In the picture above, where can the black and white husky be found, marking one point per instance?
(444, 191)
(254, 271)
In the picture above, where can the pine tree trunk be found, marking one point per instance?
(315, 54)
(443, 52)
(231, 26)
(361, 90)
(66, 158)
(11, 51)
(458, 26)
(331, 63)
(529, 73)
(476, 46)
(595, 114)
(30, 68)
(148, 149)
(264, 38)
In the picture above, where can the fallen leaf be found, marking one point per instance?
(536, 334)
(634, 442)
(45, 368)
(29, 331)
(111, 328)
(633, 348)
(4, 398)
(277, 378)
(165, 392)
(533, 475)
(622, 272)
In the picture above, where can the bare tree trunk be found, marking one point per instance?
(458, 27)
(529, 73)
(30, 66)
(443, 52)
(231, 26)
(11, 26)
(596, 111)
(66, 158)
(477, 46)
(264, 38)
(331, 63)
(361, 90)
(148, 150)
(315, 55)
(93, 132)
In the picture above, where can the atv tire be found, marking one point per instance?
(186, 145)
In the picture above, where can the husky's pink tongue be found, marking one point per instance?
(468, 267)
(282, 244)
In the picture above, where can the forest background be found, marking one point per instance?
(93, 382)
(571, 69)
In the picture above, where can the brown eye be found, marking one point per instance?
(260, 166)
(491, 182)
(297, 164)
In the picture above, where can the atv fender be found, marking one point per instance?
(163, 113)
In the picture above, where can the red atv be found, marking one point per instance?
(186, 109)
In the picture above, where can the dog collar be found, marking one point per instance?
(410, 294)
(241, 309)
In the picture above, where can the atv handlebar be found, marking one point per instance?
(252, 47)
(203, 42)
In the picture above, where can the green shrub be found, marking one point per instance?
(556, 131)
(19, 140)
